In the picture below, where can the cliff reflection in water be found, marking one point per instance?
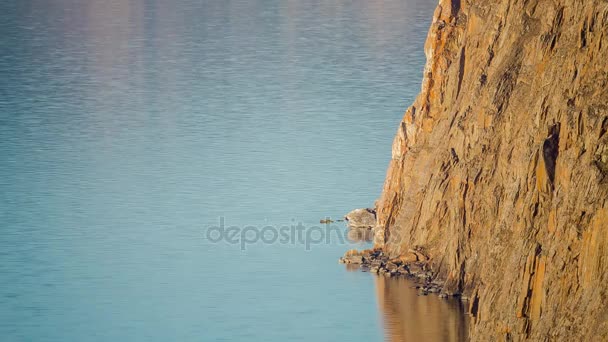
(406, 316)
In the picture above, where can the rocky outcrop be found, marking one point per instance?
(412, 265)
(361, 218)
(499, 169)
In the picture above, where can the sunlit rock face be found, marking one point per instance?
(499, 169)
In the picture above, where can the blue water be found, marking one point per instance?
(130, 128)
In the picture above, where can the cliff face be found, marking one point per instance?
(500, 167)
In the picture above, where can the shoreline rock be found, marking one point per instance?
(361, 218)
(414, 265)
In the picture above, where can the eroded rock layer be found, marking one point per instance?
(499, 169)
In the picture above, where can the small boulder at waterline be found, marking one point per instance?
(361, 218)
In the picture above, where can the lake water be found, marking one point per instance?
(131, 130)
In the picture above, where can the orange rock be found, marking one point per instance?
(520, 216)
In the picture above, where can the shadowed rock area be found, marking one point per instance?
(499, 169)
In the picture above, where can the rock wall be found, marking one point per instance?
(499, 169)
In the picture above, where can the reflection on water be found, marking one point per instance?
(360, 235)
(352, 268)
(408, 316)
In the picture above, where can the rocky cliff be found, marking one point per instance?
(499, 169)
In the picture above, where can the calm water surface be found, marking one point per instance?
(128, 128)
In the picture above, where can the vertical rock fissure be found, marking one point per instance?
(551, 152)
